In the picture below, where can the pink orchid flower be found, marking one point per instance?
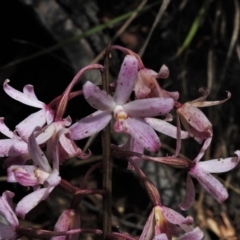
(35, 176)
(15, 148)
(28, 97)
(147, 86)
(163, 223)
(8, 229)
(201, 171)
(128, 115)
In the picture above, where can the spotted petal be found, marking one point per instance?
(165, 128)
(209, 183)
(126, 79)
(97, 98)
(140, 131)
(149, 107)
(27, 97)
(90, 125)
(219, 165)
(31, 200)
(6, 208)
(189, 196)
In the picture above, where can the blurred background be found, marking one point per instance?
(45, 43)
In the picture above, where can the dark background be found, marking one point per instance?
(27, 27)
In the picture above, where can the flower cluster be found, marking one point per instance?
(139, 107)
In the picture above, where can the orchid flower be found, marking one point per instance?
(28, 97)
(195, 121)
(201, 171)
(146, 85)
(35, 176)
(8, 229)
(163, 223)
(128, 115)
(15, 147)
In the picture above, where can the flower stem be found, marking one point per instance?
(107, 163)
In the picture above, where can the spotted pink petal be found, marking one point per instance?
(90, 125)
(12, 147)
(133, 146)
(6, 208)
(163, 72)
(26, 97)
(219, 165)
(31, 200)
(189, 196)
(195, 234)
(148, 230)
(175, 217)
(195, 121)
(4, 129)
(165, 128)
(149, 107)
(97, 98)
(37, 155)
(126, 80)
(209, 183)
(140, 131)
(26, 127)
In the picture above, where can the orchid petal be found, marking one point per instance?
(209, 183)
(4, 129)
(126, 79)
(25, 98)
(7, 232)
(210, 103)
(195, 121)
(71, 148)
(175, 217)
(37, 155)
(165, 128)
(53, 180)
(28, 90)
(46, 133)
(26, 127)
(90, 125)
(149, 107)
(97, 98)
(196, 234)
(31, 200)
(12, 147)
(49, 114)
(189, 196)
(140, 131)
(148, 230)
(219, 165)
(6, 208)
